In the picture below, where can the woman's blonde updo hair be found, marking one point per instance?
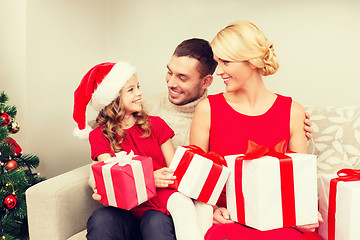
(243, 41)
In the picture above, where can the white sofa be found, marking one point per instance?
(58, 208)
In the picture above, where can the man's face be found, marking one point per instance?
(183, 80)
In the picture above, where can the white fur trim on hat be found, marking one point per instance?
(82, 134)
(109, 88)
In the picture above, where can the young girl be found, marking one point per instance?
(247, 111)
(124, 126)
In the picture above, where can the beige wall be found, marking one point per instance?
(47, 46)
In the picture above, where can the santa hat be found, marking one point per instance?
(100, 86)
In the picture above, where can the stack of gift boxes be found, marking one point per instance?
(266, 188)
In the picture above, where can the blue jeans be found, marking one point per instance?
(157, 225)
(111, 223)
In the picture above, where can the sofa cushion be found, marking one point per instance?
(80, 236)
(336, 137)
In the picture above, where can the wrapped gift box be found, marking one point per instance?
(199, 175)
(347, 203)
(263, 186)
(124, 181)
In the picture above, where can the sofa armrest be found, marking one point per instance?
(60, 206)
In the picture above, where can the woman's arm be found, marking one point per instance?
(298, 140)
(200, 126)
(199, 136)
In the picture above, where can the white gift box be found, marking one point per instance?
(198, 174)
(347, 215)
(261, 186)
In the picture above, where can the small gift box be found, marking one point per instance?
(124, 181)
(199, 175)
(267, 189)
(339, 202)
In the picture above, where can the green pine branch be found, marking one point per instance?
(6, 151)
(4, 132)
(3, 98)
(11, 110)
(31, 160)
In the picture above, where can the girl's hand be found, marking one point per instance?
(221, 215)
(163, 177)
(95, 195)
(310, 227)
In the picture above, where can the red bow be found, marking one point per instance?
(213, 156)
(255, 150)
(278, 150)
(344, 175)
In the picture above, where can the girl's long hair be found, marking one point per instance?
(111, 118)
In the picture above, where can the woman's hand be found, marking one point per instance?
(163, 177)
(310, 227)
(221, 215)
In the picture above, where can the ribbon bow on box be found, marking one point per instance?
(278, 150)
(344, 175)
(121, 158)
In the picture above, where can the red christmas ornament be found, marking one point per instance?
(10, 201)
(6, 119)
(11, 165)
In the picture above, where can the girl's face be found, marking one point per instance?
(131, 96)
(234, 74)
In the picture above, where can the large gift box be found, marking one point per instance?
(339, 202)
(199, 175)
(124, 181)
(268, 189)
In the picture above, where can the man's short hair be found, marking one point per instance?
(199, 49)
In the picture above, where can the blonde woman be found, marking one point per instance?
(247, 111)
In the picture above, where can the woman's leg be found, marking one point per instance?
(182, 210)
(204, 214)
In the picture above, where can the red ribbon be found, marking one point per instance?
(344, 175)
(286, 175)
(214, 174)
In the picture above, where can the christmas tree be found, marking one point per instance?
(15, 176)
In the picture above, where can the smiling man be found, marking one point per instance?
(189, 75)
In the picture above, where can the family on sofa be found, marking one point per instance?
(241, 55)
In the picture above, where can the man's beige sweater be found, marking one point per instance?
(176, 116)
